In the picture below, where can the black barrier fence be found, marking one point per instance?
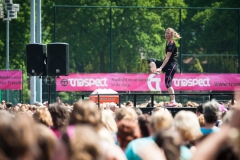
(172, 110)
(210, 95)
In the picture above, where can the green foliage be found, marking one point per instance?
(206, 32)
(19, 36)
(64, 96)
(120, 39)
(112, 40)
(196, 67)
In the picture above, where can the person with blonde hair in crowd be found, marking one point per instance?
(110, 124)
(187, 124)
(161, 119)
(170, 63)
(126, 113)
(85, 112)
(108, 121)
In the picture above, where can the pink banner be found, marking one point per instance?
(148, 82)
(10, 80)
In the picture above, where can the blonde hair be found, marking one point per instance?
(174, 33)
(109, 121)
(126, 113)
(85, 112)
(201, 120)
(161, 119)
(187, 124)
(103, 106)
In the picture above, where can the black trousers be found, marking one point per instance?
(169, 69)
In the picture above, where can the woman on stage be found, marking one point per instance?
(170, 63)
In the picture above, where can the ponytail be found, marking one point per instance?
(177, 35)
(174, 33)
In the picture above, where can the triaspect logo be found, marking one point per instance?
(183, 82)
(88, 82)
(157, 81)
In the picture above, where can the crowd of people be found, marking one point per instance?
(86, 131)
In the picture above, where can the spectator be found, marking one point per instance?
(129, 104)
(144, 125)
(127, 131)
(45, 103)
(186, 123)
(161, 120)
(17, 137)
(211, 147)
(4, 103)
(46, 141)
(42, 115)
(113, 107)
(138, 111)
(9, 104)
(108, 121)
(89, 147)
(86, 113)
(199, 112)
(157, 109)
(126, 113)
(170, 141)
(223, 111)
(110, 124)
(201, 120)
(2, 107)
(211, 114)
(60, 117)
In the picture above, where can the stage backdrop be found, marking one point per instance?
(147, 82)
(10, 80)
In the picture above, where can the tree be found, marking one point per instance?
(113, 39)
(196, 67)
(19, 36)
(207, 34)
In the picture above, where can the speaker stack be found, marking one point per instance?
(58, 59)
(48, 60)
(36, 56)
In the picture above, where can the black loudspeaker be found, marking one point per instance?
(36, 59)
(58, 59)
